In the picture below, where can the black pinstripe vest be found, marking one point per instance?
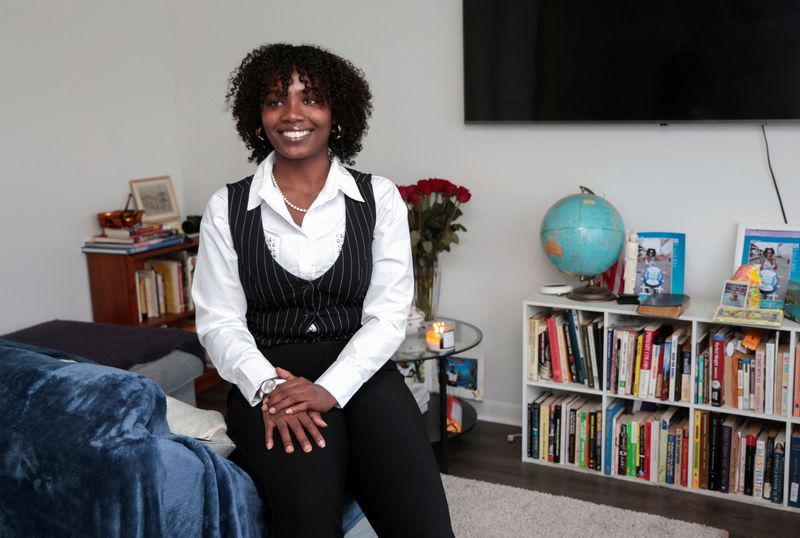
(283, 308)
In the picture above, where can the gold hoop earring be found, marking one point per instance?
(260, 134)
(339, 131)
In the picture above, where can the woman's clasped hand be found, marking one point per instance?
(296, 407)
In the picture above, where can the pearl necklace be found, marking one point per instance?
(290, 204)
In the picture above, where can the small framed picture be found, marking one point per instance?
(734, 293)
(156, 197)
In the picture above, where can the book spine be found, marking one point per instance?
(598, 446)
(794, 471)
(686, 375)
(673, 370)
(725, 458)
(582, 440)
(569, 354)
(611, 359)
(655, 369)
(591, 463)
(777, 474)
(758, 472)
(704, 442)
(739, 383)
(746, 383)
(796, 405)
(717, 372)
(784, 399)
(535, 441)
(696, 449)
(713, 453)
(699, 383)
(588, 361)
(533, 349)
(669, 477)
(759, 376)
(769, 374)
(749, 464)
(622, 462)
(769, 452)
(664, 393)
(530, 430)
(555, 359)
(571, 441)
(647, 351)
(557, 434)
(637, 365)
(685, 458)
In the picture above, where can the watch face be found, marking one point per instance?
(267, 386)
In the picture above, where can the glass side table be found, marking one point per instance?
(467, 336)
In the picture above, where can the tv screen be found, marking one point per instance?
(630, 61)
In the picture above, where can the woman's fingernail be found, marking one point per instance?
(322, 444)
(307, 449)
(269, 446)
(289, 449)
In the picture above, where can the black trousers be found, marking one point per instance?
(376, 448)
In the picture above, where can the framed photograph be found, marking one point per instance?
(156, 197)
(464, 375)
(734, 293)
(660, 263)
(775, 249)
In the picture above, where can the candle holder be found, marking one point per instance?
(440, 336)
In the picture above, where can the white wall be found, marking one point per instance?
(87, 104)
(697, 179)
(112, 66)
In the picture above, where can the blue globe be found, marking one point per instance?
(582, 235)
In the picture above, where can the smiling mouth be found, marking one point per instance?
(295, 135)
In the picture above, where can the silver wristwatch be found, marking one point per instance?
(266, 387)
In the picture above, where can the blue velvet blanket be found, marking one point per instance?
(85, 451)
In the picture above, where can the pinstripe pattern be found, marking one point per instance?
(282, 306)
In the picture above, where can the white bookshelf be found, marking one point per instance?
(698, 317)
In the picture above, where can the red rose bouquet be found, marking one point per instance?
(433, 207)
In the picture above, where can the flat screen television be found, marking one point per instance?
(631, 61)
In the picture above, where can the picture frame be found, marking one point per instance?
(465, 375)
(156, 197)
(660, 263)
(734, 293)
(776, 249)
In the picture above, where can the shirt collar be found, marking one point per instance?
(262, 189)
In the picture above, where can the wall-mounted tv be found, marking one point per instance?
(631, 61)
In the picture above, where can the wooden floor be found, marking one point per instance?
(485, 454)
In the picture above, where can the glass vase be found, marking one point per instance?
(426, 285)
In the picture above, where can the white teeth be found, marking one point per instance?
(296, 134)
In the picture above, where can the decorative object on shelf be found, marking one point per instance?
(433, 207)
(663, 305)
(660, 263)
(735, 293)
(465, 375)
(440, 336)
(555, 289)
(762, 317)
(156, 197)
(583, 235)
(120, 218)
(773, 248)
(631, 256)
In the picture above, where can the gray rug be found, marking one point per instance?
(484, 510)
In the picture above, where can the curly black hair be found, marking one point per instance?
(333, 79)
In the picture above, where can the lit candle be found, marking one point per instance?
(440, 336)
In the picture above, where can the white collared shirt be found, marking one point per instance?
(307, 252)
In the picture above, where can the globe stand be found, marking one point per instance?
(590, 292)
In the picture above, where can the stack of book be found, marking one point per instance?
(133, 240)
(648, 442)
(164, 286)
(566, 429)
(649, 360)
(566, 346)
(743, 370)
(741, 456)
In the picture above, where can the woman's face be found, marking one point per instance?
(298, 125)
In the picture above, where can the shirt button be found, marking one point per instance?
(312, 328)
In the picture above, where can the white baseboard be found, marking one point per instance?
(497, 411)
